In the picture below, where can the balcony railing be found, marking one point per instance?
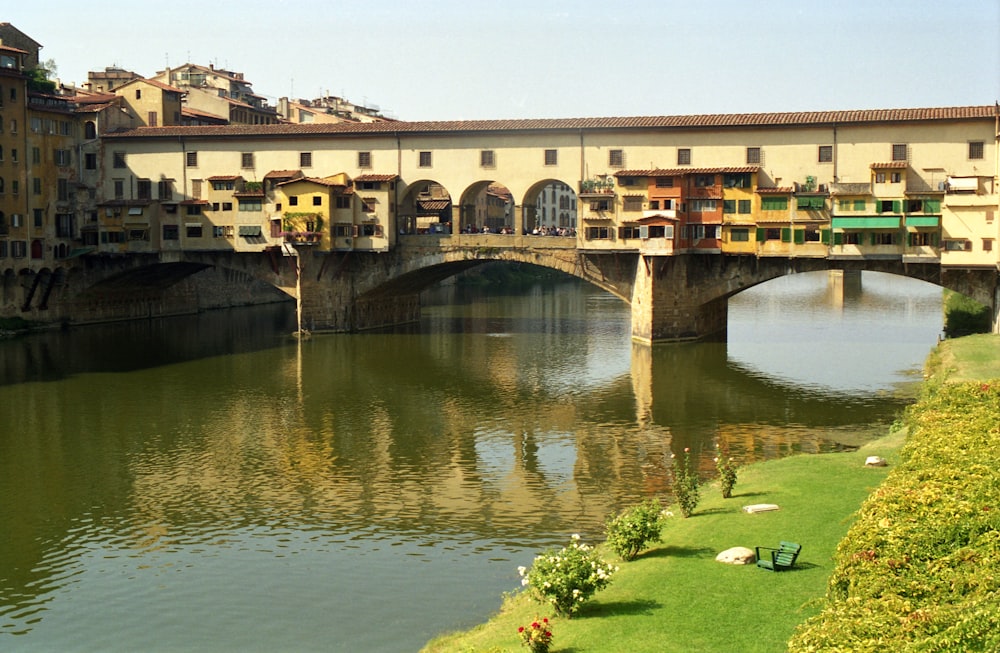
(302, 236)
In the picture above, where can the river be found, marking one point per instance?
(206, 483)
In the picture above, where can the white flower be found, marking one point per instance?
(521, 570)
(524, 582)
(574, 537)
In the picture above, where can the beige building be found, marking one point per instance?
(218, 93)
(329, 109)
(919, 184)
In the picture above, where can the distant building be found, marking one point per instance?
(556, 207)
(107, 80)
(12, 37)
(218, 93)
(329, 109)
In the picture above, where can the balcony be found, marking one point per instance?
(660, 213)
(302, 237)
(596, 188)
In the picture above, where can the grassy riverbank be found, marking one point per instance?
(675, 597)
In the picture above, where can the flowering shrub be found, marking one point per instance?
(727, 471)
(630, 531)
(685, 484)
(567, 577)
(536, 636)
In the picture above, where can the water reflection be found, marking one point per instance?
(227, 470)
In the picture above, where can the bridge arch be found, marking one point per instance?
(532, 199)
(425, 207)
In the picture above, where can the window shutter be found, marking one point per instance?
(897, 206)
(786, 235)
(824, 236)
(838, 239)
(800, 236)
(932, 206)
(761, 234)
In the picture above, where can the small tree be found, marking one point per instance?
(633, 529)
(726, 466)
(685, 484)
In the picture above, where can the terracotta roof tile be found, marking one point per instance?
(283, 174)
(890, 165)
(707, 121)
(780, 190)
(225, 178)
(376, 178)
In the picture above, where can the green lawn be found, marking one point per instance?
(676, 597)
(972, 358)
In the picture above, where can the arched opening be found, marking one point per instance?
(425, 209)
(90, 130)
(487, 207)
(37, 249)
(550, 209)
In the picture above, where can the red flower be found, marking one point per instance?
(520, 629)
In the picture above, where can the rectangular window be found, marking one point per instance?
(18, 248)
(227, 206)
(976, 150)
(737, 180)
(293, 200)
(317, 200)
(305, 159)
(826, 154)
(171, 232)
(632, 204)
(192, 231)
(883, 238)
(729, 206)
(246, 159)
(704, 181)
(744, 207)
(191, 159)
(424, 159)
(153, 119)
(343, 202)
(144, 189)
(165, 189)
(597, 233)
(879, 177)
(753, 155)
(899, 152)
(616, 158)
(193, 209)
(118, 160)
(251, 204)
(860, 205)
(61, 157)
(196, 188)
(987, 244)
(895, 177)
(684, 156)
(487, 159)
(364, 160)
(774, 204)
(36, 155)
(704, 206)
(90, 161)
(739, 235)
(36, 185)
(664, 182)
(39, 216)
(551, 157)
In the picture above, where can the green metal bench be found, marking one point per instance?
(779, 559)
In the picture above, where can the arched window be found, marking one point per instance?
(90, 130)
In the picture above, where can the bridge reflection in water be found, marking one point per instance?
(503, 427)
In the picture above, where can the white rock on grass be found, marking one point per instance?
(738, 555)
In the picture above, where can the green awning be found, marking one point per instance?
(865, 223)
(923, 220)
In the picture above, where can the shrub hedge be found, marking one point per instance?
(920, 568)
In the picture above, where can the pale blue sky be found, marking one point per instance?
(472, 59)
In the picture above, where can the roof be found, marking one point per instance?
(314, 180)
(225, 178)
(151, 82)
(678, 172)
(890, 164)
(433, 205)
(692, 122)
(283, 174)
(376, 178)
(780, 190)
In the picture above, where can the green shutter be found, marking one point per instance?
(817, 203)
(802, 203)
(897, 206)
(761, 234)
(744, 207)
(729, 206)
(774, 204)
(786, 235)
(859, 205)
(824, 236)
(932, 206)
(800, 236)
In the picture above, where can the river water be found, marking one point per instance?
(208, 484)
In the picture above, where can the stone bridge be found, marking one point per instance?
(673, 298)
